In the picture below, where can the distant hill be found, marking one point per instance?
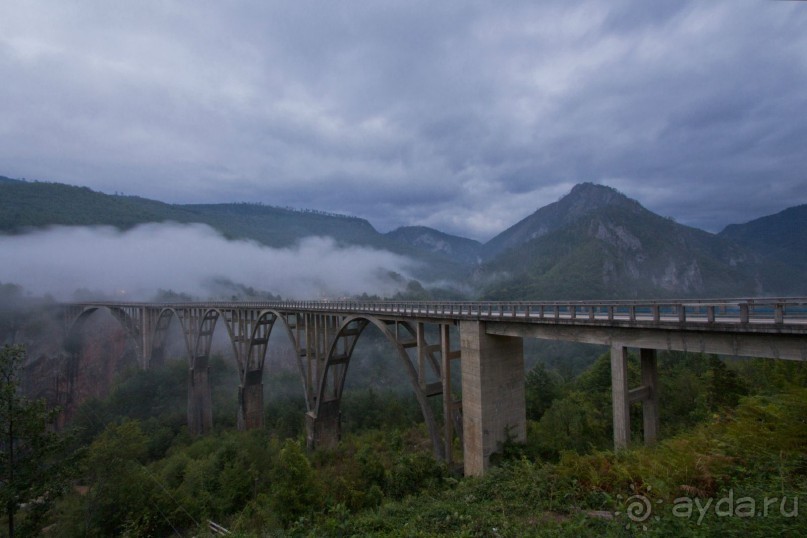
(280, 227)
(782, 236)
(25, 205)
(430, 240)
(37, 204)
(597, 243)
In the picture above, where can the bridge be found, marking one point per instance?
(484, 340)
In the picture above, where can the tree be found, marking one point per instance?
(29, 463)
(296, 488)
(542, 388)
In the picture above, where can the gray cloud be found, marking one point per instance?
(192, 259)
(465, 116)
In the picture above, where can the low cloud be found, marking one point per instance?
(191, 259)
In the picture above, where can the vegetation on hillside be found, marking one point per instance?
(731, 430)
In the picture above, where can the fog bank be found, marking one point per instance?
(189, 258)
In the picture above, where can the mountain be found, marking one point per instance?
(593, 243)
(25, 205)
(430, 240)
(37, 204)
(782, 236)
(583, 199)
(597, 243)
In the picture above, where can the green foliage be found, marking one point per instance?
(33, 468)
(382, 480)
(541, 388)
(724, 386)
(413, 472)
(589, 494)
(296, 490)
(370, 409)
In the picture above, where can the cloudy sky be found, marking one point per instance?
(461, 115)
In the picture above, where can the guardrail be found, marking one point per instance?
(775, 311)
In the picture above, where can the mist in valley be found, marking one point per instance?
(191, 259)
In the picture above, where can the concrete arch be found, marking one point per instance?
(129, 325)
(284, 322)
(203, 336)
(328, 404)
(249, 332)
(156, 340)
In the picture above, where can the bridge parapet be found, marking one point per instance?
(785, 313)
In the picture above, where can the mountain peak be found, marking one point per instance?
(584, 198)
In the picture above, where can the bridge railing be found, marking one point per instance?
(776, 311)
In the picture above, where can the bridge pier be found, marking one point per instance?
(250, 401)
(622, 397)
(493, 399)
(325, 429)
(200, 404)
(650, 409)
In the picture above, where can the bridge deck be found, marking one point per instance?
(758, 315)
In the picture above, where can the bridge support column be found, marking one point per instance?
(250, 401)
(493, 400)
(647, 393)
(619, 395)
(200, 406)
(650, 410)
(325, 429)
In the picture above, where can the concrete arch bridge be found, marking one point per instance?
(425, 334)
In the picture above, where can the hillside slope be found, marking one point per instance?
(597, 243)
(782, 236)
(430, 240)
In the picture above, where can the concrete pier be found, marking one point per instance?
(493, 399)
(650, 409)
(325, 429)
(623, 397)
(250, 400)
(619, 395)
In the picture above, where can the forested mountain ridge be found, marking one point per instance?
(597, 243)
(29, 205)
(594, 242)
(776, 237)
(428, 239)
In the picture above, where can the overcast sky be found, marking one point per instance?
(465, 116)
